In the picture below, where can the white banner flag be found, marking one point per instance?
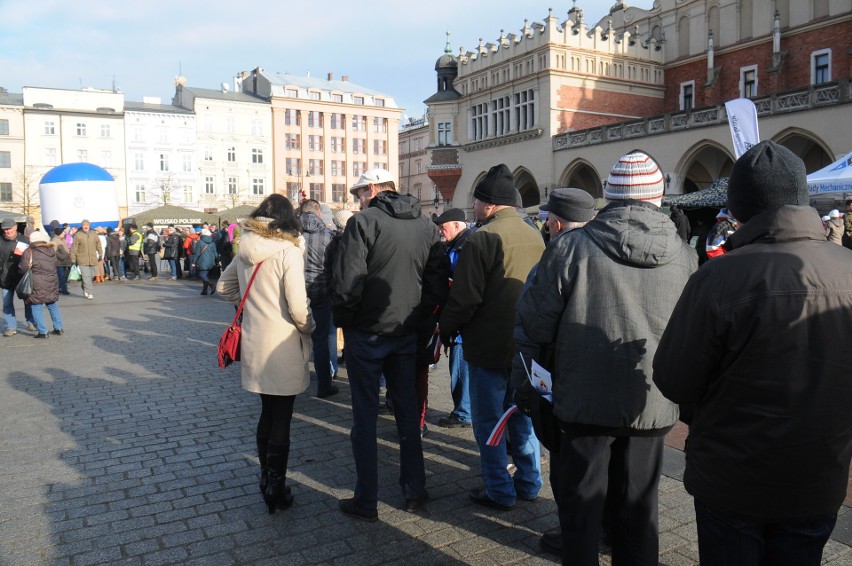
(742, 117)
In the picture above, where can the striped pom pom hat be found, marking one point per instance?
(635, 176)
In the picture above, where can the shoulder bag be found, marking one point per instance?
(24, 288)
(229, 344)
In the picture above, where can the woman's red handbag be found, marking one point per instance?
(229, 343)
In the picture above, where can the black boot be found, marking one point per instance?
(204, 288)
(261, 456)
(277, 493)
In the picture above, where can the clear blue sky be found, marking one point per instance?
(386, 45)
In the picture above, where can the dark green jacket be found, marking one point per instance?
(491, 270)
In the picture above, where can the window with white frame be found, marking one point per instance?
(106, 131)
(187, 193)
(256, 128)
(138, 161)
(164, 162)
(81, 129)
(357, 145)
(257, 155)
(687, 95)
(748, 81)
(82, 155)
(315, 191)
(292, 141)
(338, 192)
(293, 166)
(138, 134)
(209, 185)
(208, 152)
(337, 98)
(50, 155)
(315, 119)
(358, 167)
(525, 110)
(315, 166)
(445, 133)
(106, 159)
(5, 159)
(5, 192)
(338, 121)
(257, 186)
(380, 147)
(292, 117)
(314, 143)
(232, 154)
(336, 145)
(163, 134)
(821, 66)
(380, 125)
(187, 162)
(139, 193)
(4, 127)
(50, 128)
(232, 185)
(231, 125)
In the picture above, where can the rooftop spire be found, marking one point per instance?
(447, 49)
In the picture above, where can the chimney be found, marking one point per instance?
(345, 78)
(331, 77)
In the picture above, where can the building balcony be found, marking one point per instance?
(817, 96)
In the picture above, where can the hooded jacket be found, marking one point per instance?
(319, 252)
(204, 253)
(834, 231)
(152, 243)
(601, 298)
(277, 322)
(387, 269)
(757, 353)
(44, 278)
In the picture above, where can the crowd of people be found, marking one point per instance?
(59, 254)
(749, 350)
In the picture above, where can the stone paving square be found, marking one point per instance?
(123, 443)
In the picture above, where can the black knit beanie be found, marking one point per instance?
(497, 187)
(766, 177)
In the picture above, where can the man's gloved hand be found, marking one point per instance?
(524, 397)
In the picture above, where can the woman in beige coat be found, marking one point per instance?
(276, 332)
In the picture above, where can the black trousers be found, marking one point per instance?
(153, 261)
(623, 469)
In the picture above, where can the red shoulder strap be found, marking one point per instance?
(245, 295)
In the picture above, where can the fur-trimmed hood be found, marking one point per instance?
(258, 242)
(42, 244)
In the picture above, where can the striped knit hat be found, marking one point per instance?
(635, 176)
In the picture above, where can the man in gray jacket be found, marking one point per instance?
(600, 299)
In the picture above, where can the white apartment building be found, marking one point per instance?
(12, 169)
(234, 151)
(161, 154)
(67, 126)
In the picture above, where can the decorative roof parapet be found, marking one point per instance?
(573, 33)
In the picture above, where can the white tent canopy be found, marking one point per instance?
(836, 178)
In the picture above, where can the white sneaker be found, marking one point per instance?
(89, 296)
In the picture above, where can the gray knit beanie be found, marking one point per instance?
(766, 177)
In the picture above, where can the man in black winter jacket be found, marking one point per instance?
(12, 246)
(756, 354)
(171, 252)
(318, 254)
(381, 292)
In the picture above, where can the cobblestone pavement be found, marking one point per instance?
(122, 443)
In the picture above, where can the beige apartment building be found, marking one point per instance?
(326, 132)
(413, 160)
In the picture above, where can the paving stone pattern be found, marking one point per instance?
(122, 443)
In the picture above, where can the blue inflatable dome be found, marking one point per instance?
(76, 172)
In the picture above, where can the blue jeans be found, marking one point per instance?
(55, 317)
(321, 311)
(367, 357)
(332, 344)
(490, 396)
(734, 541)
(62, 275)
(9, 310)
(459, 383)
(173, 266)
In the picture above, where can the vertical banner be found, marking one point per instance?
(742, 117)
